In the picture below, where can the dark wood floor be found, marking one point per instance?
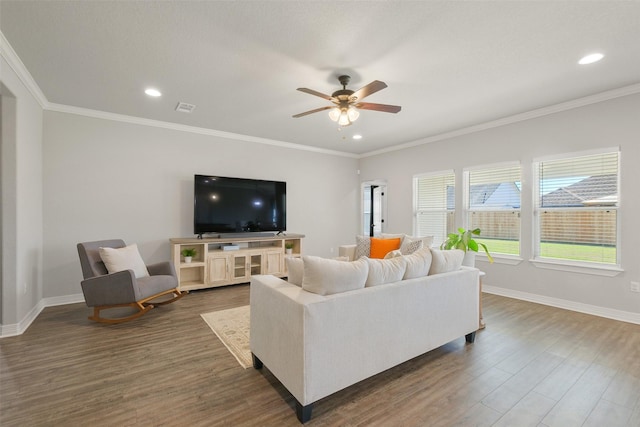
(532, 366)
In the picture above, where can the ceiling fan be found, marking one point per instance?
(347, 102)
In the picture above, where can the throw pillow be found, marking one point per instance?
(383, 271)
(121, 259)
(446, 261)
(418, 264)
(408, 241)
(295, 270)
(393, 254)
(327, 276)
(381, 247)
(363, 246)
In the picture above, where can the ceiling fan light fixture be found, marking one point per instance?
(334, 114)
(353, 114)
(344, 118)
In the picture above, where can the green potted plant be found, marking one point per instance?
(288, 247)
(188, 254)
(463, 240)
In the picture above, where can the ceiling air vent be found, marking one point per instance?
(183, 107)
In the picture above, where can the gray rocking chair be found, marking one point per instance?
(103, 290)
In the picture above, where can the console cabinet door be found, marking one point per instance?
(218, 266)
(274, 263)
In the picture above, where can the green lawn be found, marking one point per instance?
(576, 252)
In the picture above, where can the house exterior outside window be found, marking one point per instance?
(434, 205)
(576, 204)
(492, 203)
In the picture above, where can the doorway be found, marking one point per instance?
(374, 207)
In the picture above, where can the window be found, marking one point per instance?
(492, 202)
(576, 208)
(434, 205)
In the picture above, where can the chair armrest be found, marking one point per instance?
(164, 268)
(348, 251)
(110, 289)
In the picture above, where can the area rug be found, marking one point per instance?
(232, 328)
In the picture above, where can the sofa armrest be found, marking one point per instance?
(348, 251)
(110, 289)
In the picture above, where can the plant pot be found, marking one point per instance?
(469, 259)
(188, 259)
(288, 251)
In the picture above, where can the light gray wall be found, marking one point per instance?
(21, 198)
(605, 124)
(109, 179)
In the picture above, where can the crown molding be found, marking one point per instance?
(191, 129)
(539, 112)
(14, 61)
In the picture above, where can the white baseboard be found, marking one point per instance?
(19, 328)
(609, 313)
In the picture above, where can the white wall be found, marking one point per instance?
(21, 198)
(108, 179)
(606, 124)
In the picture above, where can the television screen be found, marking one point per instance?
(238, 205)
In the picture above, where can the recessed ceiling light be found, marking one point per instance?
(591, 58)
(357, 136)
(152, 92)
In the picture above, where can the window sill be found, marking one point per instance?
(577, 267)
(500, 259)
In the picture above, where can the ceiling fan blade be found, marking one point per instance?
(313, 111)
(379, 107)
(367, 90)
(314, 92)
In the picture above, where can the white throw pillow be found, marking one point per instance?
(121, 259)
(327, 276)
(295, 270)
(446, 261)
(418, 264)
(383, 271)
(409, 244)
(393, 254)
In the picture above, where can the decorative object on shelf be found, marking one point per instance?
(188, 254)
(464, 240)
(288, 246)
(347, 102)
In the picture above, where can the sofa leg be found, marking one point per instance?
(257, 363)
(303, 412)
(470, 337)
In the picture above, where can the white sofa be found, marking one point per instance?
(316, 345)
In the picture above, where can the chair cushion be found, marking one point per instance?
(152, 285)
(127, 258)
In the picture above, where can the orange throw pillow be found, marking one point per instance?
(381, 247)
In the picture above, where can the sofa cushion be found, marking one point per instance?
(383, 271)
(327, 276)
(381, 247)
(418, 264)
(445, 261)
(295, 270)
(121, 259)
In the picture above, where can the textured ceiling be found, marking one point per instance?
(450, 65)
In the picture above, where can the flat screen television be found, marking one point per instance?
(238, 205)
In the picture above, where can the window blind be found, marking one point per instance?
(493, 205)
(577, 208)
(434, 205)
